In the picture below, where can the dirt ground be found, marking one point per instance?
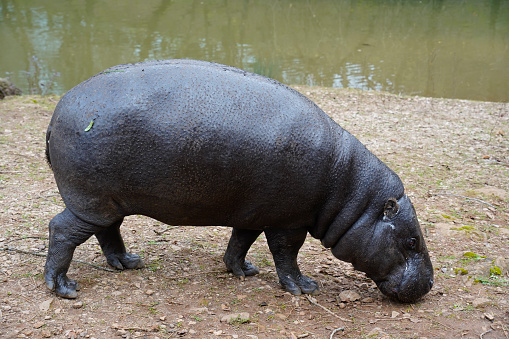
(453, 156)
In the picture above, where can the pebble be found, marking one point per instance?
(489, 316)
(480, 302)
(39, 324)
(230, 318)
(77, 305)
(376, 332)
(45, 305)
(349, 295)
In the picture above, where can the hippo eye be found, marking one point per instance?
(411, 243)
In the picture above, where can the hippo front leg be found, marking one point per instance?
(284, 246)
(66, 232)
(114, 250)
(235, 255)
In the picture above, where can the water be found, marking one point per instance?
(441, 48)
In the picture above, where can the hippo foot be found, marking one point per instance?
(300, 284)
(63, 286)
(245, 270)
(122, 261)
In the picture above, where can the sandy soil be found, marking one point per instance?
(452, 155)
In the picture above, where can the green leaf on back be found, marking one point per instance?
(89, 125)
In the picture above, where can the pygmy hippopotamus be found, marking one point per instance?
(198, 143)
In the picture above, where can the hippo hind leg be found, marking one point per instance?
(66, 232)
(235, 255)
(284, 246)
(114, 249)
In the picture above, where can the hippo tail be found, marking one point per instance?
(48, 134)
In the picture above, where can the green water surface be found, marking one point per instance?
(447, 48)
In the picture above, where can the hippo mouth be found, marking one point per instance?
(406, 291)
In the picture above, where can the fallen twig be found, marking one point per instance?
(505, 333)
(444, 325)
(499, 162)
(194, 274)
(23, 238)
(374, 321)
(165, 230)
(325, 309)
(336, 330)
(13, 249)
(468, 198)
(482, 334)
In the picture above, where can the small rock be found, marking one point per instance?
(497, 192)
(39, 324)
(243, 317)
(45, 305)
(394, 314)
(46, 333)
(367, 300)
(149, 292)
(489, 316)
(199, 310)
(480, 302)
(8, 88)
(375, 332)
(77, 305)
(349, 295)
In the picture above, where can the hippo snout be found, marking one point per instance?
(409, 286)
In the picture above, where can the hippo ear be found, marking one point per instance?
(391, 208)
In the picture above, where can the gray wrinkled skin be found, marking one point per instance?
(196, 143)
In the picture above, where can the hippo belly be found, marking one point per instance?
(195, 143)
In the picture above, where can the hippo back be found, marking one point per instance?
(190, 142)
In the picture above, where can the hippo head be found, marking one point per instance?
(391, 251)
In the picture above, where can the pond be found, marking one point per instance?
(435, 48)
